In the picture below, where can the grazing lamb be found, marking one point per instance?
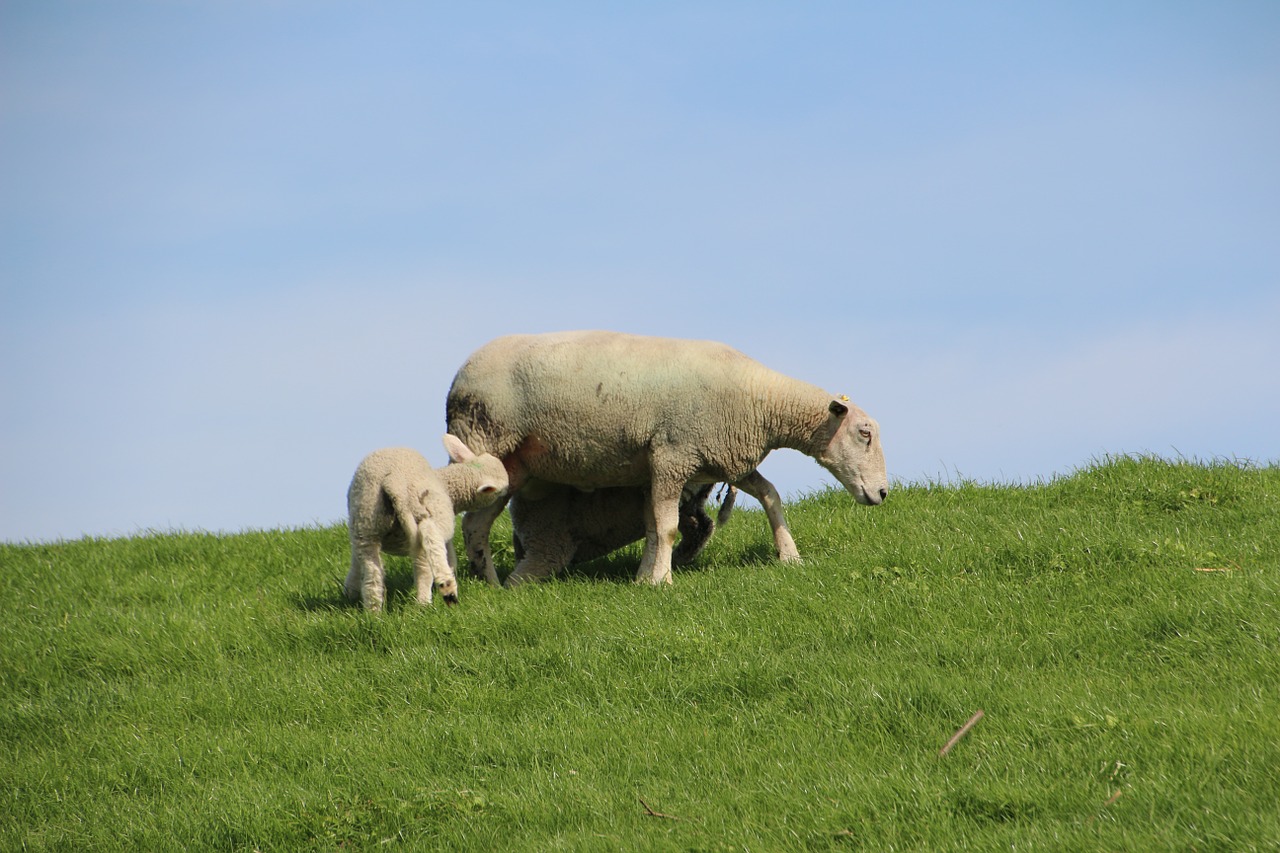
(399, 504)
(596, 409)
(555, 526)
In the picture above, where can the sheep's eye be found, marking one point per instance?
(866, 434)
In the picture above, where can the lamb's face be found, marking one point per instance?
(493, 480)
(854, 455)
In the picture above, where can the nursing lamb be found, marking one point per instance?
(597, 409)
(399, 504)
(555, 526)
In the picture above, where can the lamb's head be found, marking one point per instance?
(484, 477)
(853, 453)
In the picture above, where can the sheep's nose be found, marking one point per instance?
(884, 493)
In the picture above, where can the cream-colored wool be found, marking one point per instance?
(556, 526)
(598, 409)
(399, 504)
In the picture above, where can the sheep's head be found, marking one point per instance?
(486, 476)
(853, 454)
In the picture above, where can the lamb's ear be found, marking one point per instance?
(838, 407)
(457, 451)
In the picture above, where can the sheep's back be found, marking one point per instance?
(595, 402)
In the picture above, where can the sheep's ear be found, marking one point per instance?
(838, 407)
(458, 451)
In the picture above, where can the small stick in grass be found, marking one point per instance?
(651, 813)
(1109, 801)
(964, 730)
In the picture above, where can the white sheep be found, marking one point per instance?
(555, 526)
(596, 409)
(399, 504)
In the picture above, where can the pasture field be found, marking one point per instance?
(1119, 628)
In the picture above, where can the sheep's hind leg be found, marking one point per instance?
(475, 536)
(431, 571)
(762, 490)
(351, 588)
(662, 517)
(452, 559)
(365, 580)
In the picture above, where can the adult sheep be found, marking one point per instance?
(595, 409)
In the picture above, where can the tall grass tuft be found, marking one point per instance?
(1120, 629)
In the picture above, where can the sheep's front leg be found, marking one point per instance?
(762, 490)
(662, 519)
(475, 537)
(365, 579)
(431, 569)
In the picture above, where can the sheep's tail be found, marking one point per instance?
(408, 508)
(728, 494)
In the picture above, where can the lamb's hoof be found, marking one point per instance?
(448, 591)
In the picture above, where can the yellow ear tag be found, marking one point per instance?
(844, 398)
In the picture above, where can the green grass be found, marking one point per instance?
(213, 692)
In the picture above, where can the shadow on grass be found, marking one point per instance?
(621, 565)
(760, 554)
(399, 590)
(618, 567)
(328, 599)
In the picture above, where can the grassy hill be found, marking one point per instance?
(1120, 628)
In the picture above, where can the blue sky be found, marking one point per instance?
(242, 244)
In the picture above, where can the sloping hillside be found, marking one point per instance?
(1120, 630)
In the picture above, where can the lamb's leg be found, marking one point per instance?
(431, 566)
(527, 571)
(355, 575)
(695, 526)
(548, 551)
(451, 559)
(365, 580)
(662, 518)
(762, 490)
(450, 555)
(475, 537)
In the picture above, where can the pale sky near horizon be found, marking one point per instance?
(244, 243)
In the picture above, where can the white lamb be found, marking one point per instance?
(555, 526)
(399, 504)
(597, 409)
